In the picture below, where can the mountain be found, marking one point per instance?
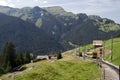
(40, 17)
(25, 35)
(66, 28)
(89, 29)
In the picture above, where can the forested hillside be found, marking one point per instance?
(25, 36)
(67, 28)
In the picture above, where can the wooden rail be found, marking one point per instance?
(114, 67)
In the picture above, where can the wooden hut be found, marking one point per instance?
(97, 43)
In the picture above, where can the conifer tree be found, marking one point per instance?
(26, 57)
(8, 57)
(59, 55)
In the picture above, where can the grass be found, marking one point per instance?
(68, 68)
(115, 52)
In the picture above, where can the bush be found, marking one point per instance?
(59, 55)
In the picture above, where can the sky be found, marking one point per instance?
(104, 8)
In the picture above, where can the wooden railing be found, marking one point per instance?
(114, 67)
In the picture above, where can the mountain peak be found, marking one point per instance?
(55, 10)
(4, 6)
(94, 17)
(36, 8)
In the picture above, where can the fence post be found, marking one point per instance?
(104, 74)
(119, 72)
(111, 57)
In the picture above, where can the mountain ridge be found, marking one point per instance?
(25, 36)
(65, 27)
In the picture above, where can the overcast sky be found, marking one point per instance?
(104, 8)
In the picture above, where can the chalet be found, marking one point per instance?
(42, 57)
(51, 56)
(97, 43)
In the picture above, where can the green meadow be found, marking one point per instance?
(68, 68)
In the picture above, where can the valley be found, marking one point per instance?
(69, 67)
(50, 43)
(54, 26)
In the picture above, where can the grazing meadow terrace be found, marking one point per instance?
(67, 68)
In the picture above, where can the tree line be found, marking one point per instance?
(9, 59)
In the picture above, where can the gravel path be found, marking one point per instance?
(108, 73)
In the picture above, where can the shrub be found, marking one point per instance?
(59, 55)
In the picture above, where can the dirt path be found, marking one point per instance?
(11, 76)
(108, 73)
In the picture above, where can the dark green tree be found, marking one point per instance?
(8, 67)
(19, 59)
(22, 59)
(32, 56)
(26, 57)
(59, 55)
(8, 57)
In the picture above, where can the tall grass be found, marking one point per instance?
(63, 71)
(115, 51)
(68, 68)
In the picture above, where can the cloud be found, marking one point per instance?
(18, 0)
(9, 0)
(6, 3)
(45, 2)
(2, 2)
(91, 6)
(36, 0)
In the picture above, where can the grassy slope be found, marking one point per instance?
(68, 68)
(116, 50)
